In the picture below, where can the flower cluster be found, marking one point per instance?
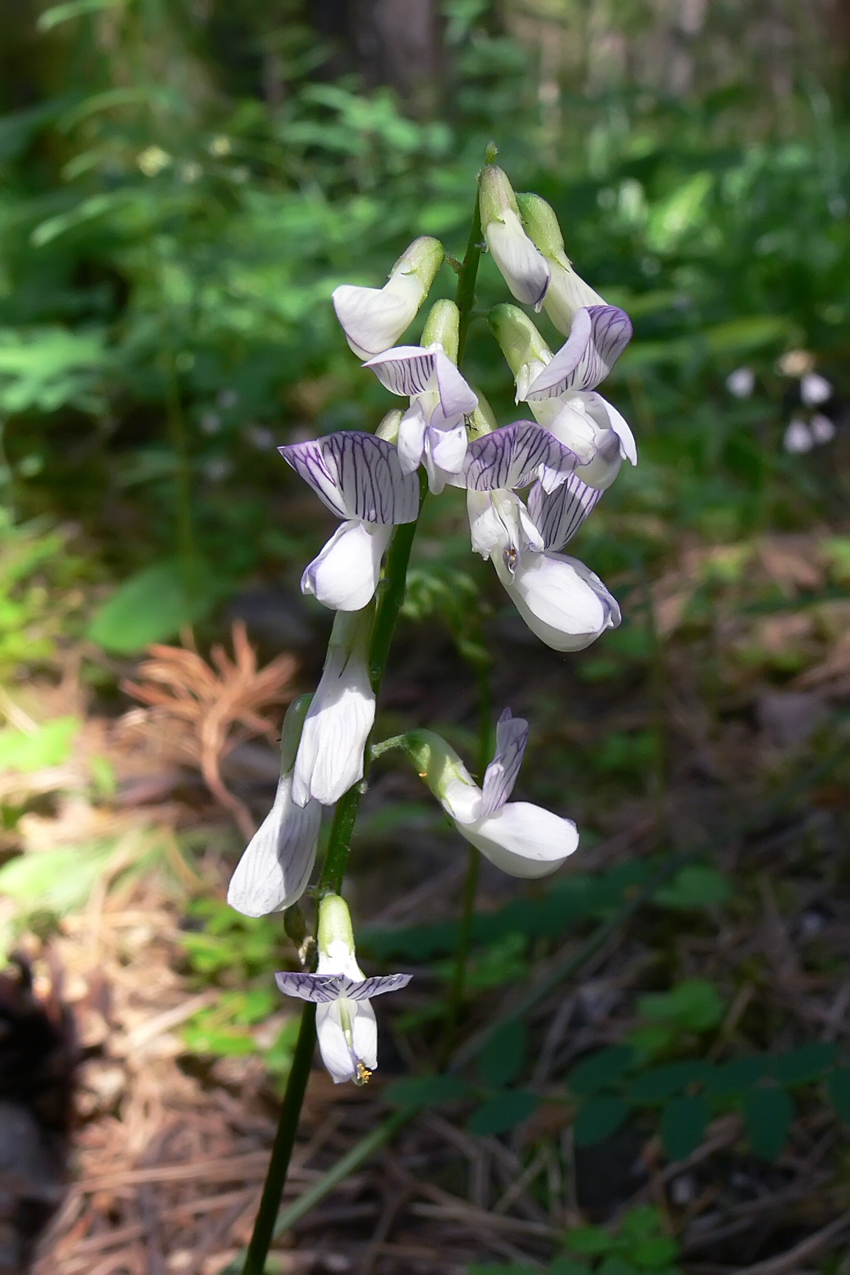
(529, 486)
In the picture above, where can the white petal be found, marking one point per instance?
(600, 472)
(501, 775)
(567, 419)
(365, 1029)
(522, 839)
(330, 756)
(340, 1057)
(461, 797)
(447, 447)
(598, 337)
(411, 437)
(345, 575)
(798, 438)
(357, 475)
(823, 429)
(566, 295)
(276, 866)
(499, 521)
(524, 268)
(560, 599)
(617, 422)
(374, 318)
(456, 398)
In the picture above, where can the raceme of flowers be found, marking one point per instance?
(530, 484)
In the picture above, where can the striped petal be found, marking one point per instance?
(500, 776)
(559, 514)
(377, 986)
(276, 866)
(513, 456)
(598, 337)
(357, 476)
(319, 988)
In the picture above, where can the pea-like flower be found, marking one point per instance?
(522, 839)
(360, 479)
(345, 1020)
(329, 760)
(374, 318)
(433, 428)
(276, 865)
(567, 292)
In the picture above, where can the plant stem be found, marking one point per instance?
(255, 1259)
(465, 296)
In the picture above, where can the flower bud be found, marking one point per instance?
(388, 428)
(444, 773)
(442, 327)
(567, 292)
(524, 268)
(336, 937)
(522, 345)
(374, 318)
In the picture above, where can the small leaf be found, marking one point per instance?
(46, 747)
(426, 1091)
(152, 606)
(767, 1115)
(693, 1004)
(838, 1087)
(809, 1062)
(656, 1084)
(598, 1118)
(566, 1266)
(683, 1125)
(732, 1078)
(616, 1265)
(600, 1070)
(641, 1222)
(502, 1057)
(694, 887)
(502, 1112)
(591, 1240)
(655, 1251)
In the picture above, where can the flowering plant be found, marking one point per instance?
(530, 484)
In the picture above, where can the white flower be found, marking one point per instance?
(374, 318)
(329, 760)
(522, 839)
(741, 382)
(823, 429)
(561, 389)
(815, 389)
(567, 292)
(560, 599)
(524, 269)
(798, 438)
(276, 866)
(434, 426)
(359, 477)
(345, 1020)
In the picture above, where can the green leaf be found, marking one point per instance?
(654, 1252)
(152, 606)
(515, 1268)
(73, 9)
(683, 1124)
(656, 1084)
(502, 1112)
(426, 1091)
(805, 1064)
(502, 1058)
(729, 1079)
(641, 1222)
(566, 1266)
(694, 887)
(592, 1240)
(616, 1265)
(50, 745)
(838, 1088)
(767, 1115)
(693, 1004)
(602, 1069)
(56, 880)
(598, 1118)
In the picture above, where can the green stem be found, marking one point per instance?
(296, 1085)
(465, 296)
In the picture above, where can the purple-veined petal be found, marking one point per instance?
(319, 988)
(598, 337)
(621, 427)
(378, 985)
(512, 456)
(357, 476)
(457, 400)
(345, 574)
(500, 776)
(559, 514)
(406, 369)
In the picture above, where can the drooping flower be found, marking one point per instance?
(276, 866)
(567, 292)
(522, 839)
(524, 268)
(360, 479)
(345, 1020)
(560, 389)
(374, 318)
(433, 428)
(329, 760)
